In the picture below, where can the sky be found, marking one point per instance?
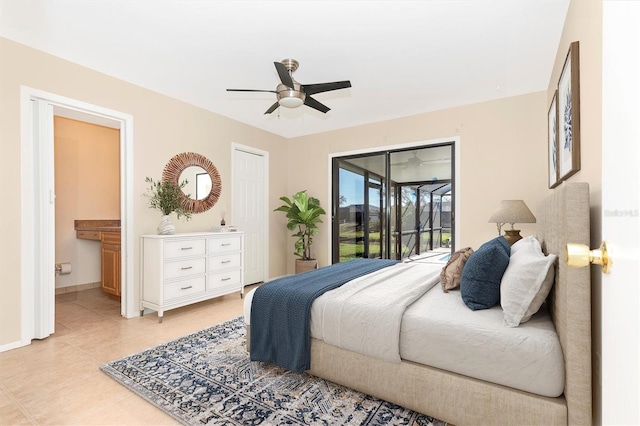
(351, 187)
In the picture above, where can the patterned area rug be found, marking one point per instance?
(207, 378)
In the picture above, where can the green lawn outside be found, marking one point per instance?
(351, 250)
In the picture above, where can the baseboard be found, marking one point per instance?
(14, 345)
(79, 287)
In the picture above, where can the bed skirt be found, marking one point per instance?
(437, 393)
(446, 396)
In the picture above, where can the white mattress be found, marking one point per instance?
(440, 331)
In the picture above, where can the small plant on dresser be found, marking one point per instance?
(168, 198)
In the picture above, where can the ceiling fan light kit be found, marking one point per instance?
(290, 98)
(291, 94)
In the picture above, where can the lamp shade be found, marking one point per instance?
(512, 211)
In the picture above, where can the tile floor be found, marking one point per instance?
(56, 381)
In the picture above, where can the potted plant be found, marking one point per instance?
(303, 214)
(168, 198)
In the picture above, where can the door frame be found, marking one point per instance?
(366, 216)
(235, 147)
(457, 149)
(37, 187)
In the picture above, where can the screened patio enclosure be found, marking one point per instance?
(393, 204)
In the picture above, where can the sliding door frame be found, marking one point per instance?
(333, 200)
(366, 216)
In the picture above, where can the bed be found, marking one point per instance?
(457, 398)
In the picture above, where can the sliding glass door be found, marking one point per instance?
(358, 219)
(393, 204)
(423, 221)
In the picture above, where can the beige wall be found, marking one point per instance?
(584, 24)
(503, 155)
(87, 186)
(163, 127)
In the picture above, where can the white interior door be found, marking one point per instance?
(44, 235)
(621, 213)
(250, 191)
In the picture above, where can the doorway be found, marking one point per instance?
(394, 204)
(38, 200)
(87, 188)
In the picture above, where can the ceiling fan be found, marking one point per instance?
(291, 94)
(416, 161)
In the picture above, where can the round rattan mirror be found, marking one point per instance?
(192, 166)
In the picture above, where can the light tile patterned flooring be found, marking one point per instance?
(57, 380)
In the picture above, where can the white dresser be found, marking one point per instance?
(181, 269)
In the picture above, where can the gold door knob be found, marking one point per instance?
(579, 255)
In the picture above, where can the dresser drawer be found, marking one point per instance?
(224, 261)
(224, 244)
(223, 279)
(182, 248)
(184, 268)
(183, 288)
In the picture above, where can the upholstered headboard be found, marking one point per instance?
(564, 217)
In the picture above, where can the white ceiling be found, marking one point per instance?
(402, 57)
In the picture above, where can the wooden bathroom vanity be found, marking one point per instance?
(107, 232)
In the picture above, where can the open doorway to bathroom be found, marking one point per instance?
(38, 262)
(87, 206)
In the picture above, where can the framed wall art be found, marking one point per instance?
(568, 99)
(552, 123)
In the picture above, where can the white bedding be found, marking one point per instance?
(438, 330)
(441, 331)
(365, 316)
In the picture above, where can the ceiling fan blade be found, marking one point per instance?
(251, 90)
(435, 161)
(285, 77)
(311, 89)
(310, 102)
(272, 108)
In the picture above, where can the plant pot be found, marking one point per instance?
(306, 265)
(166, 226)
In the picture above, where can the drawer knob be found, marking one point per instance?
(225, 244)
(226, 261)
(186, 248)
(186, 267)
(225, 279)
(186, 288)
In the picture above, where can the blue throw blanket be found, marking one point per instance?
(281, 311)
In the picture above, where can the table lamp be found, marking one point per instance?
(512, 211)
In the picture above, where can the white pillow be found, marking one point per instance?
(526, 282)
(527, 243)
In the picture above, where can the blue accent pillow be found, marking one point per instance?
(481, 275)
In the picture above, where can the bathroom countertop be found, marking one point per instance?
(97, 225)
